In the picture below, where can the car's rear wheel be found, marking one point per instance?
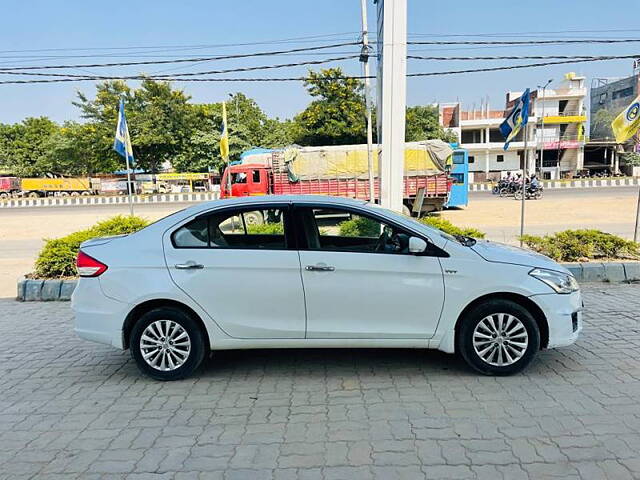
(498, 337)
(167, 344)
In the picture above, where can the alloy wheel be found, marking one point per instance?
(500, 339)
(165, 345)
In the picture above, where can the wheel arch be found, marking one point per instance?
(523, 301)
(149, 305)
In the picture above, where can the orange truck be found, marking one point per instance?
(339, 171)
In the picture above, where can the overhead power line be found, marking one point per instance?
(309, 38)
(524, 42)
(344, 77)
(183, 60)
(511, 57)
(515, 67)
(189, 74)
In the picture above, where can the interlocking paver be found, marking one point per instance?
(73, 409)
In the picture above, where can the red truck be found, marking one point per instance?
(271, 174)
(9, 186)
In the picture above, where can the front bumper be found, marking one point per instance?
(564, 317)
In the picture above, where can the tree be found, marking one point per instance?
(25, 146)
(422, 123)
(75, 150)
(336, 116)
(159, 120)
(601, 124)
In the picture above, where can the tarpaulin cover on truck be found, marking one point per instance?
(349, 161)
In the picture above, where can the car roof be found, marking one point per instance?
(271, 199)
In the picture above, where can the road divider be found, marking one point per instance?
(108, 200)
(560, 184)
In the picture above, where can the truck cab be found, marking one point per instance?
(246, 180)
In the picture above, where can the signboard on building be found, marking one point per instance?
(563, 144)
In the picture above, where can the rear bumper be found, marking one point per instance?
(564, 317)
(98, 318)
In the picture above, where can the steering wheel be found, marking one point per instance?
(388, 241)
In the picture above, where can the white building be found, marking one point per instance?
(556, 125)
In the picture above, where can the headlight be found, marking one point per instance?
(560, 282)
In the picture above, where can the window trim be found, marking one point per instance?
(303, 247)
(289, 238)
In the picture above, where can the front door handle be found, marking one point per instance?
(319, 268)
(189, 266)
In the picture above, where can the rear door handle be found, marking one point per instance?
(189, 266)
(319, 268)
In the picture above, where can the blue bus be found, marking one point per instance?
(459, 195)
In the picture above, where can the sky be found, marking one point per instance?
(42, 32)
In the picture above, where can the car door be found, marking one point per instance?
(356, 287)
(245, 275)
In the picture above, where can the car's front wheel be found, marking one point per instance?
(498, 337)
(167, 344)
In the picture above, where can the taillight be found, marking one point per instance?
(89, 266)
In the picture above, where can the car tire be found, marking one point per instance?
(515, 332)
(164, 332)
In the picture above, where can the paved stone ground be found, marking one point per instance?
(73, 409)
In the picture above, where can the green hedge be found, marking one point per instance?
(363, 227)
(359, 227)
(448, 227)
(58, 256)
(576, 245)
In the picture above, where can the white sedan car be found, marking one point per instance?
(317, 272)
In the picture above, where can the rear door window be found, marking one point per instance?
(238, 229)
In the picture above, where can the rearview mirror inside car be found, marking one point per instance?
(417, 245)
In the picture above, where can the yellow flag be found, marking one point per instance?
(224, 135)
(628, 122)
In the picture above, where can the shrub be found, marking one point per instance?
(448, 227)
(574, 245)
(58, 256)
(359, 227)
(266, 229)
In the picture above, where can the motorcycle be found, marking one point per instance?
(534, 193)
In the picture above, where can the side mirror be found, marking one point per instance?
(417, 245)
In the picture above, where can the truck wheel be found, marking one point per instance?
(254, 218)
(75, 194)
(4, 195)
(33, 195)
(406, 210)
(498, 337)
(64, 194)
(85, 194)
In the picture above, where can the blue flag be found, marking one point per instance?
(122, 142)
(517, 118)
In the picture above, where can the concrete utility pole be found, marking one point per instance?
(364, 58)
(544, 89)
(525, 168)
(392, 39)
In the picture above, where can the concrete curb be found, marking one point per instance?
(36, 290)
(556, 184)
(103, 200)
(613, 272)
